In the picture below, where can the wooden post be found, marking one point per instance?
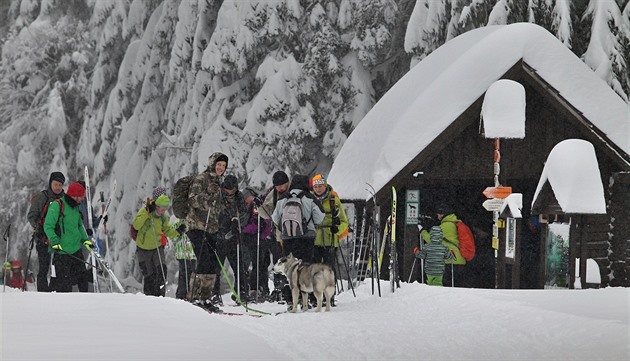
(573, 240)
(583, 249)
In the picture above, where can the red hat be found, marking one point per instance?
(76, 190)
(16, 264)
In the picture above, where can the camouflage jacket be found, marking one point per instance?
(205, 202)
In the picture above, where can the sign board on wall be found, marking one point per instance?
(412, 204)
(510, 237)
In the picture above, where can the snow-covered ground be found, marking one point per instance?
(417, 322)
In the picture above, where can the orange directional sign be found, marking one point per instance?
(497, 192)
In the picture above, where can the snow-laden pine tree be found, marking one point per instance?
(605, 53)
(43, 82)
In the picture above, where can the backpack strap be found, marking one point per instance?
(58, 224)
(300, 196)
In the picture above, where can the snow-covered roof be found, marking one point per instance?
(441, 87)
(573, 174)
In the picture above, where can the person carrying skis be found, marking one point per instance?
(231, 221)
(448, 223)
(152, 224)
(256, 233)
(280, 181)
(35, 215)
(205, 205)
(63, 226)
(312, 215)
(434, 254)
(334, 226)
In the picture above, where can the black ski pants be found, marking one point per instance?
(43, 258)
(259, 255)
(228, 249)
(153, 268)
(186, 268)
(69, 269)
(204, 245)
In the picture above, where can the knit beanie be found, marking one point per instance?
(280, 178)
(318, 179)
(444, 209)
(299, 182)
(162, 201)
(76, 190)
(56, 176)
(158, 191)
(230, 182)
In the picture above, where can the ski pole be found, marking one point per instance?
(347, 271)
(79, 259)
(238, 254)
(6, 236)
(257, 254)
(109, 256)
(28, 260)
(413, 265)
(155, 235)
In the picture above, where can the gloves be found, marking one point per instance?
(104, 219)
(88, 245)
(181, 229)
(416, 250)
(334, 229)
(89, 232)
(257, 201)
(6, 265)
(57, 247)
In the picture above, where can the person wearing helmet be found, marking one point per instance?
(152, 226)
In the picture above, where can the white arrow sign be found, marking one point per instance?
(493, 204)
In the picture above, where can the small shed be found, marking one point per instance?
(424, 134)
(571, 187)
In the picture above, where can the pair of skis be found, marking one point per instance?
(95, 258)
(389, 232)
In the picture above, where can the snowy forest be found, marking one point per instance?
(143, 91)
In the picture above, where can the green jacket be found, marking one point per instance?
(451, 240)
(149, 227)
(72, 233)
(323, 234)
